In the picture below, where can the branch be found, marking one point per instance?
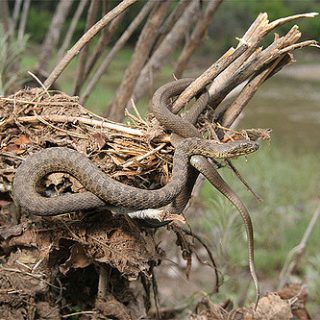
(196, 37)
(296, 253)
(102, 44)
(5, 16)
(91, 18)
(23, 21)
(85, 39)
(15, 16)
(91, 122)
(115, 49)
(166, 47)
(54, 33)
(139, 58)
(207, 76)
(82, 4)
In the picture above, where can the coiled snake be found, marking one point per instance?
(104, 190)
(183, 126)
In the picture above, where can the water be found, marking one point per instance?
(290, 106)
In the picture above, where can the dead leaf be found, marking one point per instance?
(22, 140)
(100, 139)
(77, 259)
(6, 233)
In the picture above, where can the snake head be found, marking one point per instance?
(241, 147)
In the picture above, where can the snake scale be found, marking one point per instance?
(103, 189)
(183, 127)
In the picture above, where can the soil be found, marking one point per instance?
(96, 265)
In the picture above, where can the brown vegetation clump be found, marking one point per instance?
(33, 120)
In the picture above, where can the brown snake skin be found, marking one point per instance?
(183, 126)
(101, 186)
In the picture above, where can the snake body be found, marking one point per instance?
(103, 189)
(183, 127)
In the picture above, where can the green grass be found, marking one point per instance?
(288, 183)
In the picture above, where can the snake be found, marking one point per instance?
(101, 188)
(182, 127)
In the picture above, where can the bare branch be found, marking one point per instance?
(23, 20)
(166, 47)
(92, 122)
(100, 47)
(115, 49)
(54, 33)
(91, 18)
(207, 76)
(171, 21)
(85, 39)
(245, 96)
(196, 37)
(140, 56)
(82, 4)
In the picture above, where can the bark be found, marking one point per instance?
(54, 33)
(139, 58)
(246, 94)
(115, 49)
(85, 39)
(15, 16)
(171, 21)
(207, 76)
(23, 21)
(102, 44)
(4, 15)
(91, 18)
(196, 37)
(75, 19)
(168, 44)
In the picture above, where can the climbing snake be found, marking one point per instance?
(102, 189)
(183, 127)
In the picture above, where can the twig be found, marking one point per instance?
(207, 76)
(115, 49)
(140, 56)
(39, 82)
(85, 39)
(144, 156)
(197, 35)
(74, 134)
(91, 18)
(282, 21)
(91, 122)
(82, 4)
(78, 313)
(214, 266)
(297, 252)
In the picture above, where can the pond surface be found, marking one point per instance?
(290, 105)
